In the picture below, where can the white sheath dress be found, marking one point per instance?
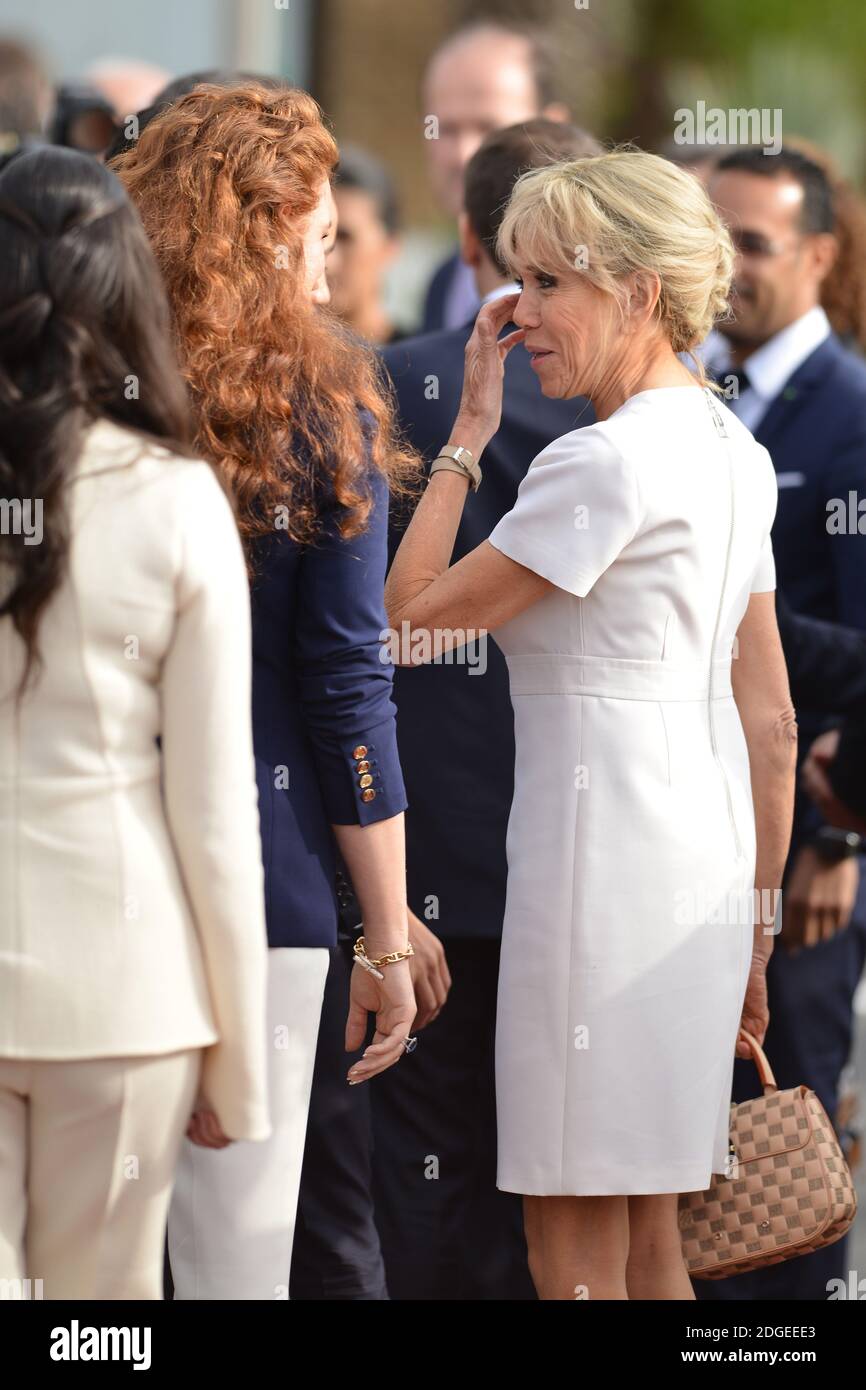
(631, 840)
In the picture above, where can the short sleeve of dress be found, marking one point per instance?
(577, 508)
(764, 579)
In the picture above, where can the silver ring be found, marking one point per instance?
(409, 1044)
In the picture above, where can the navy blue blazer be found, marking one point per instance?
(827, 670)
(455, 729)
(815, 431)
(434, 300)
(323, 716)
(847, 772)
(826, 662)
(433, 315)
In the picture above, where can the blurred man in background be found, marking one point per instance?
(26, 99)
(367, 243)
(486, 75)
(83, 120)
(803, 395)
(126, 84)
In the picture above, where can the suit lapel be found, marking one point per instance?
(796, 391)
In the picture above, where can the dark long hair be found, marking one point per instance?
(84, 333)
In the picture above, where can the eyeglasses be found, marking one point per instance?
(755, 244)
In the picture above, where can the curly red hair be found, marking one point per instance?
(223, 180)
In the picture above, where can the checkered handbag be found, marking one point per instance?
(787, 1191)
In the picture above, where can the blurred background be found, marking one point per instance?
(620, 69)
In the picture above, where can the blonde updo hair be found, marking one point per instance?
(610, 215)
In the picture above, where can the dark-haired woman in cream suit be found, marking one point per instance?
(132, 936)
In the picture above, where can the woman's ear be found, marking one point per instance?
(644, 289)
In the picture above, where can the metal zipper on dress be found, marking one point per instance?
(722, 432)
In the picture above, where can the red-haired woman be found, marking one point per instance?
(233, 187)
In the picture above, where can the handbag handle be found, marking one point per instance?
(762, 1062)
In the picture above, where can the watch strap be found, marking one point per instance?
(461, 458)
(836, 844)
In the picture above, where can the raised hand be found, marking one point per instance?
(484, 370)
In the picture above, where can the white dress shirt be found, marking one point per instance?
(770, 366)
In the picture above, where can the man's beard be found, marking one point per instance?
(736, 332)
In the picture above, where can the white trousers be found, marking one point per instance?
(231, 1224)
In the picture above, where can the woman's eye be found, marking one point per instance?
(543, 282)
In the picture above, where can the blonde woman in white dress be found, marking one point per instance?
(654, 774)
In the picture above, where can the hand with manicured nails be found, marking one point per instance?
(483, 373)
(392, 1000)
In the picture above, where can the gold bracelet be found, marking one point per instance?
(360, 950)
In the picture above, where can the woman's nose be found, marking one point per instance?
(525, 313)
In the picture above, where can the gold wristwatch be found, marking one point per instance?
(456, 459)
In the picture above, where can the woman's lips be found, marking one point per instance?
(539, 355)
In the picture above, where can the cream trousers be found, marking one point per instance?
(88, 1151)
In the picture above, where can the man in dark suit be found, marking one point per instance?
(486, 75)
(803, 395)
(446, 1230)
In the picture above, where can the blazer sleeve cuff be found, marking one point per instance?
(846, 772)
(808, 820)
(360, 777)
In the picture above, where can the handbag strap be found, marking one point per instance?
(762, 1062)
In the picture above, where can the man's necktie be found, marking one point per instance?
(733, 381)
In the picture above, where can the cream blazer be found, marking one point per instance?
(131, 883)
